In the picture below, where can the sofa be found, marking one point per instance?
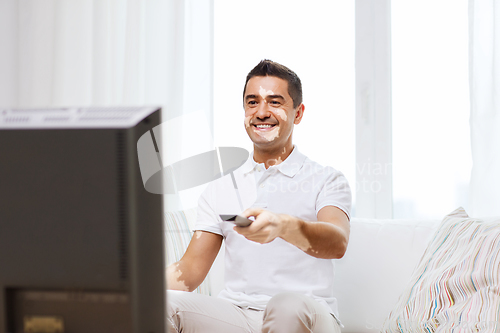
(382, 258)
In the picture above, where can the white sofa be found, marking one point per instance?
(374, 271)
(369, 279)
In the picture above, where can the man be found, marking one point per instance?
(278, 270)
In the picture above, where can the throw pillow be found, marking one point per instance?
(456, 285)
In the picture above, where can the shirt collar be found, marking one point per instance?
(249, 165)
(289, 167)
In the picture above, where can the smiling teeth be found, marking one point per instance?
(264, 126)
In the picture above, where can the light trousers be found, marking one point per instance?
(286, 312)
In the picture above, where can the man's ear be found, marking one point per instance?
(299, 113)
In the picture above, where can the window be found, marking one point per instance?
(425, 167)
(430, 112)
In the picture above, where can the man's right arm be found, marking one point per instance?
(189, 272)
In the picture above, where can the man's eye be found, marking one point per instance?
(274, 103)
(252, 102)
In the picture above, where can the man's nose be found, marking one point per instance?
(263, 110)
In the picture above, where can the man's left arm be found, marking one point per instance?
(326, 238)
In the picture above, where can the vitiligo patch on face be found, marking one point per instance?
(282, 114)
(264, 93)
(247, 121)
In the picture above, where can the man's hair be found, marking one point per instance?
(270, 68)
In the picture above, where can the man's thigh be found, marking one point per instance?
(193, 313)
(296, 313)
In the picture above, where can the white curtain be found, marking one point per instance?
(102, 52)
(113, 52)
(484, 51)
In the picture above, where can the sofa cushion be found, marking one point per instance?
(456, 286)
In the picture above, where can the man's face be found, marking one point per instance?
(269, 112)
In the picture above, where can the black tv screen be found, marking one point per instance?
(81, 240)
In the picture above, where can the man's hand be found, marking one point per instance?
(266, 227)
(325, 238)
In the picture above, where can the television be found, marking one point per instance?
(81, 240)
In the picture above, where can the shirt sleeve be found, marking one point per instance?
(335, 192)
(206, 218)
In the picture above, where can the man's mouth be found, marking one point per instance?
(264, 127)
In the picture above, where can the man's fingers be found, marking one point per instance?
(251, 229)
(261, 230)
(252, 212)
(261, 238)
(240, 230)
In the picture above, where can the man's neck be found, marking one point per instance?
(272, 157)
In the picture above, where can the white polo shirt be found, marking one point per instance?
(256, 272)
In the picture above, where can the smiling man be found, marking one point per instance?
(279, 270)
